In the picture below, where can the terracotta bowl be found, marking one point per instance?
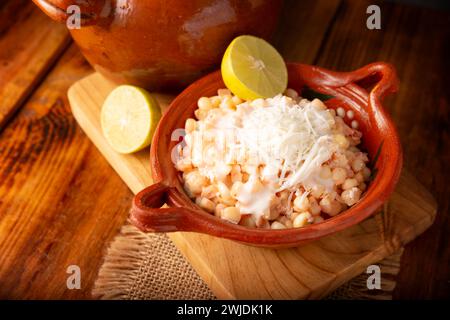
(346, 89)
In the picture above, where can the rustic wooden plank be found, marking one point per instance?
(239, 271)
(303, 27)
(416, 41)
(60, 202)
(30, 43)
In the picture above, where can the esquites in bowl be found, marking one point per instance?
(277, 171)
(275, 163)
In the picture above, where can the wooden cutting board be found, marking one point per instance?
(237, 271)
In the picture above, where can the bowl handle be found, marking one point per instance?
(384, 78)
(380, 74)
(146, 212)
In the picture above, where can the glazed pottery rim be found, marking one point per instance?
(342, 87)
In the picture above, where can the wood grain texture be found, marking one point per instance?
(49, 196)
(303, 28)
(60, 202)
(237, 271)
(417, 42)
(29, 45)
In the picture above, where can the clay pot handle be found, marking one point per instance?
(380, 74)
(148, 216)
(146, 212)
(384, 78)
(91, 10)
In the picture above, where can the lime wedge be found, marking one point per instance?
(129, 118)
(252, 68)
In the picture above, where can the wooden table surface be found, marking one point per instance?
(61, 203)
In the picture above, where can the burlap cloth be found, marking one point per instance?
(149, 266)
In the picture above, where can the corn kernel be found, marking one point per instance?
(349, 183)
(342, 141)
(190, 125)
(277, 225)
(205, 204)
(340, 112)
(350, 114)
(248, 221)
(316, 103)
(351, 196)
(204, 103)
(219, 209)
(339, 175)
(358, 164)
(291, 93)
(236, 100)
(301, 204)
(302, 219)
(224, 92)
(200, 114)
(325, 172)
(231, 214)
(215, 101)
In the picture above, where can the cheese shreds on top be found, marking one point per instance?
(287, 141)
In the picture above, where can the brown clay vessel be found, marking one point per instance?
(380, 139)
(161, 44)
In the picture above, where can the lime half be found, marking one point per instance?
(252, 68)
(129, 118)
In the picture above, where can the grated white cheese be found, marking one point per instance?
(289, 140)
(295, 139)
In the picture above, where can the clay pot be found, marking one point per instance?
(380, 139)
(161, 44)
